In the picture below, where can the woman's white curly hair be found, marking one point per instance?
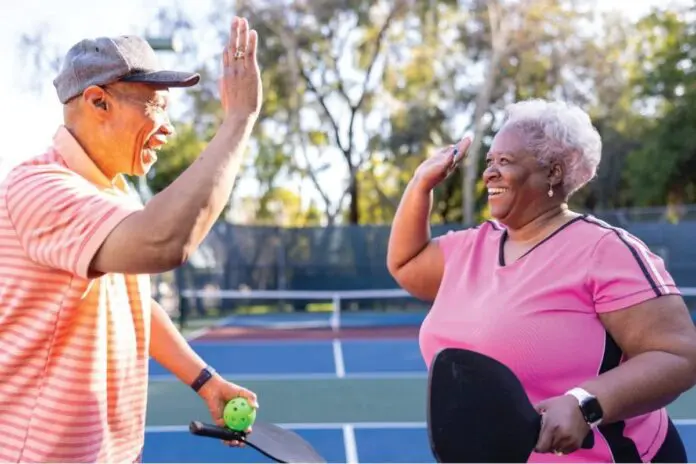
(558, 132)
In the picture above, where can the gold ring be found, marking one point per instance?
(239, 54)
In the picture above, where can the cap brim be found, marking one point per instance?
(165, 78)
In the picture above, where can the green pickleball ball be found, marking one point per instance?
(238, 414)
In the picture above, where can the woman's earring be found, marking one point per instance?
(550, 190)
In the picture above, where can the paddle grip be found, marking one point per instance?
(588, 442)
(214, 431)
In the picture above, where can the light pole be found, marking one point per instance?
(165, 44)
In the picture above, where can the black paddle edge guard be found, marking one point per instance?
(214, 431)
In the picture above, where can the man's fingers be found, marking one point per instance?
(253, 43)
(243, 35)
(242, 44)
(233, 44)
(253, 399)
(250, 397)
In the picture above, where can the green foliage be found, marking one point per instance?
(357, 93)
(662, 170)
(317, 102)
(175, 157)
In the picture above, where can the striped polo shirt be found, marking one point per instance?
(73, 346)
(540, 316)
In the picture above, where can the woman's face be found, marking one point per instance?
(517, 183)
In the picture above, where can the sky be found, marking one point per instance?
(29, 119)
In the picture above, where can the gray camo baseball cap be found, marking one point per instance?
(105, 60)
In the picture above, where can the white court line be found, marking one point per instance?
(350, 445)
(309, 376)
(308, 426)
(338, 358)
(241, 343)
(342, 426)
(197, 333)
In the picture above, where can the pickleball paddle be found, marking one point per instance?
(274, 442)
(478, 411)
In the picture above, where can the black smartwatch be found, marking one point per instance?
(589, 406)
(206, 374)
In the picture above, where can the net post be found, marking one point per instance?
(336, 312)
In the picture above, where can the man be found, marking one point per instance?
(77, 322)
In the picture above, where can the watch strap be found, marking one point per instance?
(579, 394)
(206, 374)
(582, 396)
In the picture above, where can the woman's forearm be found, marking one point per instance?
(642, 384)
(410, 231)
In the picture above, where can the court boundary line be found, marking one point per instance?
(307, 426)
(377, 375)
(341, 426)
(240, 342)
(339, 360)
(350, 444)
(195, 334)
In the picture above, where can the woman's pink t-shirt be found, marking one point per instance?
(539, 316)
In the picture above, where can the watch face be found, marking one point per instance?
(592, 410)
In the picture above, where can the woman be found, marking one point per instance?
(584, 313)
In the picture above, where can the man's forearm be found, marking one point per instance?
(170, 349)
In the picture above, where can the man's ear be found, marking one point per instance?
(95, 99)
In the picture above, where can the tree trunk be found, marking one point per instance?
(499, 43)
(354, 212)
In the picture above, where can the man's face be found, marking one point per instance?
(136, 126)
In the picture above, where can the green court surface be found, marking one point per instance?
(295, 400)
(325, 401)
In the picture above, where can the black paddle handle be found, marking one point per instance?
(214, 431)
(588, 442)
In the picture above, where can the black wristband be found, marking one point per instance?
(206, 374)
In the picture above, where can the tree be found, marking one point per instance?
(663, 169)
(327, 94)
(358, 93)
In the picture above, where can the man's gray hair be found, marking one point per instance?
(559, 132)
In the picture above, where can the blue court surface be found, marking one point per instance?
(397, 443)
(382, 437)
(306, 359)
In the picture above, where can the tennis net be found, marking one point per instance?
(297, 309)
(283, 309)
